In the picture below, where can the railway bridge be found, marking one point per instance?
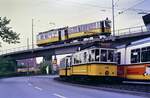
(123, 36)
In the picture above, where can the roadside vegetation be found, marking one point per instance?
(7, 35)
(7, 67)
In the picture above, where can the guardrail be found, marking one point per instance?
(127, 31)
(120, 32)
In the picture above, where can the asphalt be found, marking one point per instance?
(46, 87)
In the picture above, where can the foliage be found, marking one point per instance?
(6, 33)
(43, 67)
(7, 65)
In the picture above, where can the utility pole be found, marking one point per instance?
(113, 17)
(27, 43)
(32, 34)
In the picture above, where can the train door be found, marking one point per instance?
(102, 26)
(59, 34)
(64, 34)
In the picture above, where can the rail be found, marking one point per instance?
(120, 32)
(133, 30)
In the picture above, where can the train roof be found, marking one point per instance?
(53, 30)
(135, 43)
(71, 26)
(91, 22)
(98, 45)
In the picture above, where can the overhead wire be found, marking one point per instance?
(132, 7)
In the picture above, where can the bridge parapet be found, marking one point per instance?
(122, 33)
(132, 30)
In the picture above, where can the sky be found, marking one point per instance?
(65, 13)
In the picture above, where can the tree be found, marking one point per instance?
(43, 66)
(6, 33)
(7, 65)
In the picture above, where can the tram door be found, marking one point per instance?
(59, 34)
(64, 34)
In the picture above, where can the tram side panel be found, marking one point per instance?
(136, 62)
(91, 65)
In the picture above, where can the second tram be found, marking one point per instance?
(98, 63)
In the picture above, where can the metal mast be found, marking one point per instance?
(113, 17)
(32, 34)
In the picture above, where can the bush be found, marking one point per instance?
(43, 67)
(7, 66)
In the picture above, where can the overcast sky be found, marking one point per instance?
(66, 13)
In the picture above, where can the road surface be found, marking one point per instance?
(46, 87)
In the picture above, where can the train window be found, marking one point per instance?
(46, 36)
(97, 55)
(67, 62)
(135, 56)
(119, 58)
(92, 55)
(42, 37)
(80, 58)
(102, 26)
(85, 57)
(74, 60)
(49, 34)
(107, 24)
(98, 25)
(104, 55)
(55, 34)
(62, 63)
(145, 54)
(110, 56)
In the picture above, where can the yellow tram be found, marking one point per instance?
(92, 62)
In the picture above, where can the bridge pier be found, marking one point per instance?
(48, 61)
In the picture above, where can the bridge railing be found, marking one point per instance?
(17, 49)
(126, 31)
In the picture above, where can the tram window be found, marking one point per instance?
(119, 58)
(104, 55)
(135, 56)
(97, 55)
(67, 62)
(107, 24)
(89, 60)
(85, 57)
(81, 57)
(145, 54)
(91, 56)
(74, 61)
(77, 59)
(62, 64)
(110, 55)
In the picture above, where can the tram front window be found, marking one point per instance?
(110, 55)
(97, 55)
(104, 55)
(92, 56)
(85, 57)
